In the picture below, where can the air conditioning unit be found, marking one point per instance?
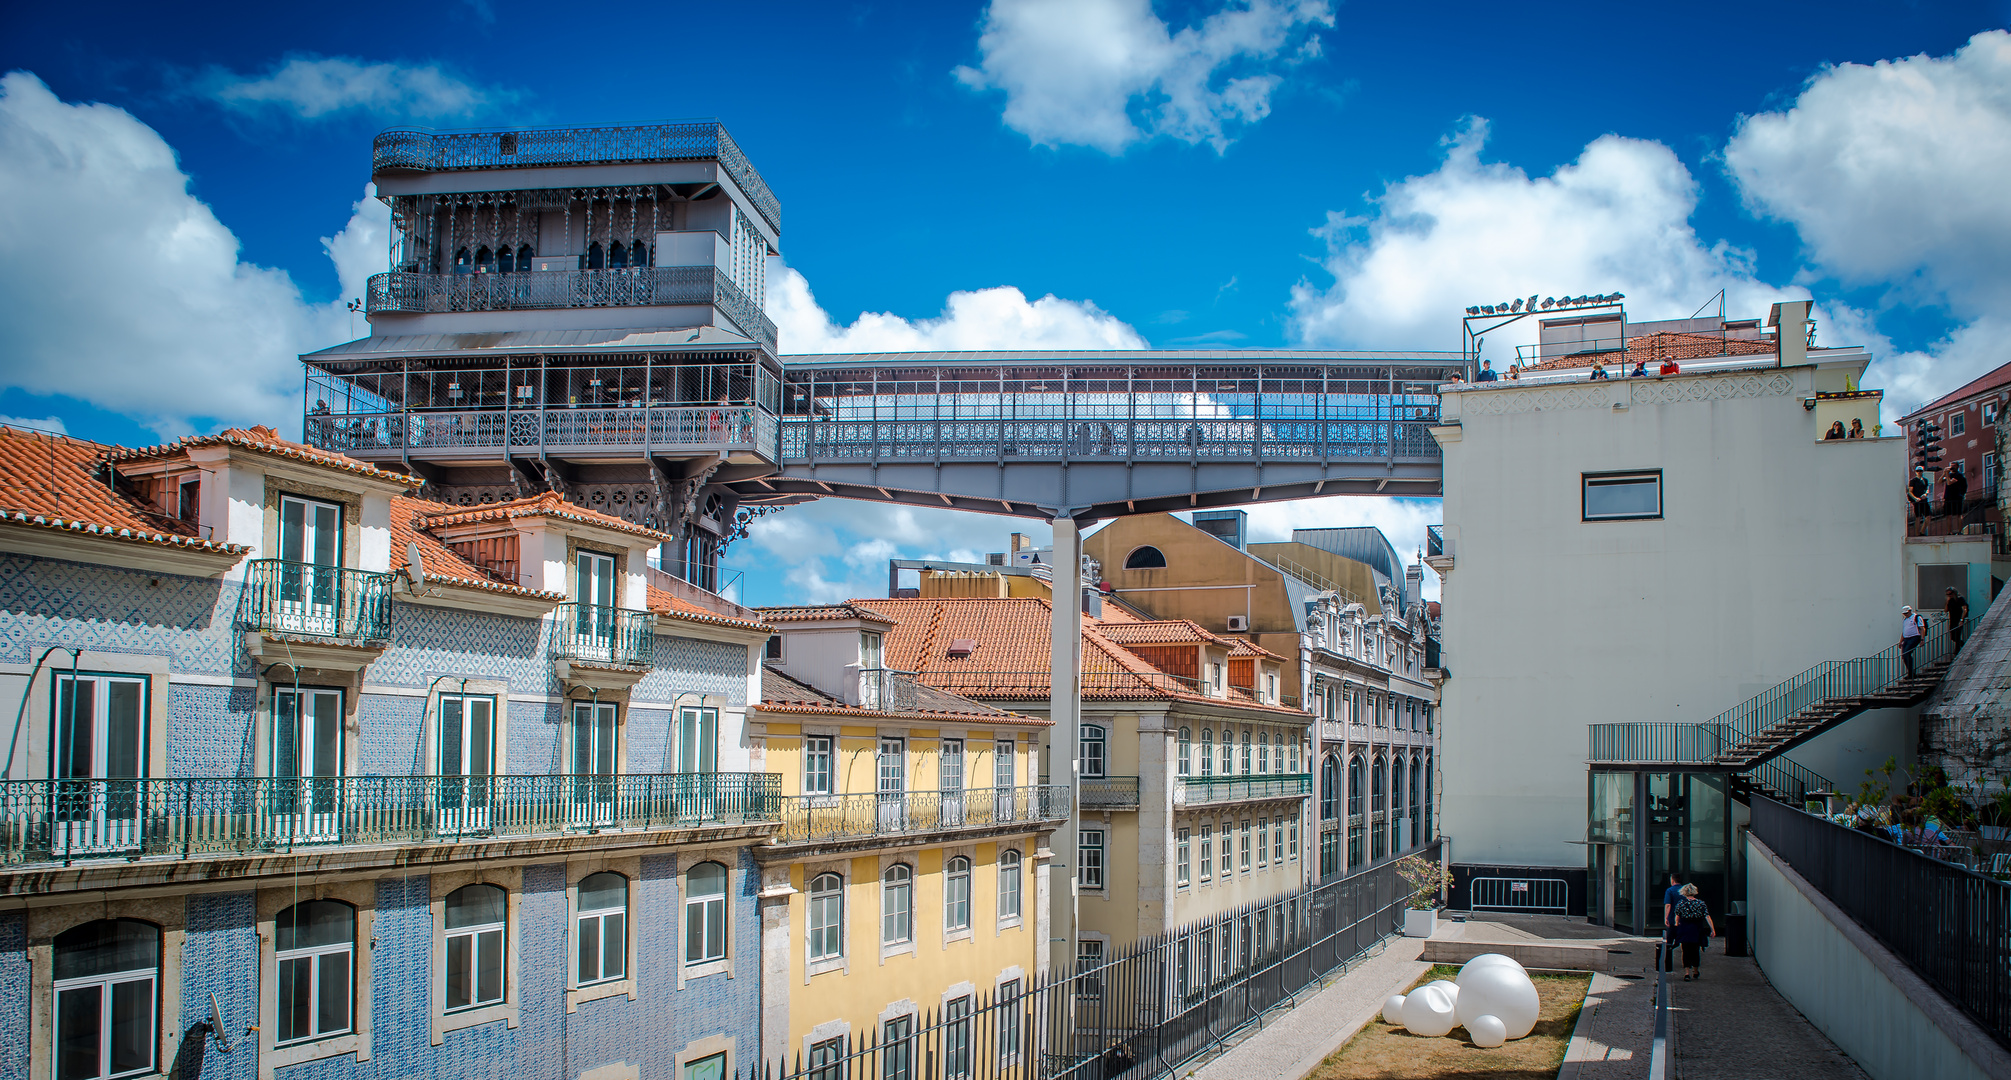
(1239, 624)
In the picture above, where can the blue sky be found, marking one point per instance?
(1037, 172)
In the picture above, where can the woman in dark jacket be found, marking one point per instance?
(1693, 928)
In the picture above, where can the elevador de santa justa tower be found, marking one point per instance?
(576, 311)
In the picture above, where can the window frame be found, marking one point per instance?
(957, 877)
(1186, 746)
(1183, 875)
(105, 983)
(1587, 481)
(1958, 422)
(1090, 858)
(1093, 763)
(1207, 852)
(474, 934)
(897, 883)
(824, 901)
(816, 749)
(315, 956)
(712, 911)
(1132, 557)
(1011, 869)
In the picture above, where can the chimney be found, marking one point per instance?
(1790, 320)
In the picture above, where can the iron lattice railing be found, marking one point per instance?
(818, 818)
(1109, 792)
(1020, 685)
(1139, 1014)
(886, 689)
(1205, 790)
(531, 290)
(726, 428)
(604, 636)
(1947, 923)
(57, 820)
(807, 439)
(311, 600)
(407, 150)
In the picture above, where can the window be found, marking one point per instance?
(1355, 786)
(1145, 558)
(827, 917)
(593, 587)
(827, 1058)
(1186, 752)
(1010, 869)
(1215, 680)
(957, 894)
(100, 727)
(1263, 842)
(706, 1068)
(1207, 751)
(1002, 764)
(1207, 851)
(306, 733)
(1008, 1020)
(467, 735)
(594, 729)
(1244, 844)
(1228, 753)
(897, 905)
(189, 501)
(1622, 496)
(1228, 848)
(1271, 688)
(1182, 863)
(1330, 788)
(476, 935)
(772, 650)
(897, 1050)
(893, 766)
(697, 740)
(1989, 471)
(871, 650)
(817, 770)
(1092, 751)
(1294, 848)
(1989, 413)
(705, 913)
(1089, 967)
(1090, 850)
(950, 771)
(1263, 752)
(1295, 753)
(107, 976)
(314, 944)
(957, 1039)
(1958, 422)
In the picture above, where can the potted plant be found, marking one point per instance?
(1426, 880)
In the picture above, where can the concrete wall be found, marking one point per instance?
(1855, 991)
(1775, 551)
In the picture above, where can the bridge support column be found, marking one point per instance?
(1065, 709)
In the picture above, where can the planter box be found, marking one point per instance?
(1420, 924)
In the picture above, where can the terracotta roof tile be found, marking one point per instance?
(549, 504)
(781, 693)
(1160, 632)
(443, 563)
(819, 613)
(56, 482)
(265, 440)
(677, 607)
(1246, 647)
(1652, 349)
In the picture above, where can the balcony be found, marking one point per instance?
(402, 293)
(558, 429)
(886, 689)
(311, 600)
(813, 819)
(1209, 790)
(63, 820)
(604, 637)
(1109, 793)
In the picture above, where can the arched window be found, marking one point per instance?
(506, 260)
(617, 255)
(1207, 751)
(603, 927)
(1186, 752)
(1417, 801)
(1263, 752)
(523, 256)
(1246, 751)
(1330, 788)
(1093, 748)
(1397, 804)
(1355, 783)
(897, 905)
(485, 260)
(314, 944)
(1295, 753)
(1228, 752)
(705, 913)
(1009, 883)
(1145, 558)
(1426, 801)
(595, 258)
(1379, 787)
(477, 919)
(957, 894)
(638, 254)
(827, 917)
(461, 261)
(107, 983)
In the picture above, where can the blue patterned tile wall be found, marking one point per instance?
(210, 729)
(428, 642)
(716, 1004)
(649, 740)
(390, 735)
(46, 602)
(220, 956)
(686, 664)
(535, 738)
(14, 1016)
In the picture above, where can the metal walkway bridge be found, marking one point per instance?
(1097, 434)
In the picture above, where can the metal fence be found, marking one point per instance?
(1138, 1014)
(1204, 790)
(806, 439)
(818, 818)
(532, 290)
(604, 636)
(64, 819)
(316, 601)
(1109, 792)
(1549, 896)
(528, 431)
(1949, 924)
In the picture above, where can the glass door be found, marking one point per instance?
(307, 764)
(593, 764)
(466, 741)
(697, 759)
(100, 727)
(893, 798)
(950, 780)
(594, 589)
(310, 573)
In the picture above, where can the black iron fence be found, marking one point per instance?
(1949, 924)
(1137, 1014)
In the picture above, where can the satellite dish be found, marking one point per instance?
(415, 566)
(216, 1023)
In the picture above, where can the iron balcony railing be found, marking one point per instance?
(820, 818)
(1204, 790)
(409, 150)
(1434, 540)
(725, 428)
(311, 600)
(806, 439)
(1109, 792)
(530, 290)
(604, 636)
(886, 689)
(1035, 684)
(58, 820)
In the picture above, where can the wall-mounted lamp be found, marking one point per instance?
(1808, 404)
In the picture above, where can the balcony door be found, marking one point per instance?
(593, 763)
(893, 797)
(310, 574)
(697, 759)
(100, 729)
(466, 740)
(307, 763)
(594, 589)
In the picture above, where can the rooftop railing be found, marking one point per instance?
(727, 428)
(63, 820)
(1206, 790)
(1109, 792)
(822, 818)
(534, 290)
(806, 439)
(886, 689)
(311, 600)
(604, 636)
(407, 150)
(1035, 684)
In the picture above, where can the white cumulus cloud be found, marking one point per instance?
(123, 290)
(996, 318)
(312, 87)
(1107, 73)
(1895, 173)
(47, 423)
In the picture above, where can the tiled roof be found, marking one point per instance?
(443, 563)
(1246, 647)
(1652, 349)
(676, 607)
(549, 504)
(265, 441)
(819, 613)
(1158, 632)
(58, 483)
(1992, 380)
(781, 693)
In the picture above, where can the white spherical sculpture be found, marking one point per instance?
(1450, 989)
(1428, 1011)
(1393, 1010)
(1487, 1031)
(1501, 991)
(1487, 960)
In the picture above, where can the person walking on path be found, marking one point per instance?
(1671, 896)
(1694, 929)
(1911, 629)
(1958, 617)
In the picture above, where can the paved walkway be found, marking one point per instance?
(1733, 1025)
(1616, 1028)
(1291, 1043)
